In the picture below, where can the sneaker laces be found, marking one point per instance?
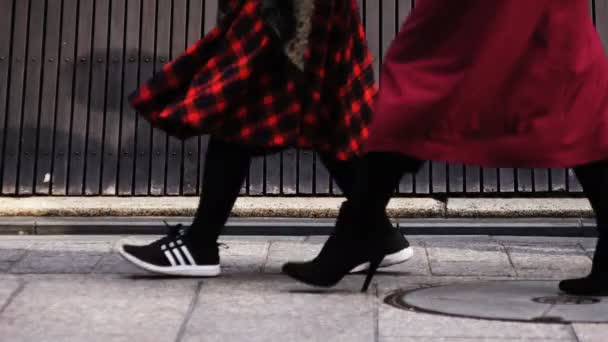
(176, 230)
(179, 230)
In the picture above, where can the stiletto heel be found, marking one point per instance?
(373, 267)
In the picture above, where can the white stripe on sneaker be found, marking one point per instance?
(178, 255)
(188, 255)
(170, 257)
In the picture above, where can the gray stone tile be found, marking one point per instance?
(276, 309)
(9, 256)
(113, 263)
(282, 252)
(549, 261)
(400, 323)
(262, 239)
(540, 240)
(458, 339)
(5, 266)
(97, 310)
(57, 262)
(8, 285)
(468, 259)
(448, 239)
(246, 257)
(591, 332)
(88, 247)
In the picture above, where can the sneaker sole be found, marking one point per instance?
(389, 260)
(182, 271)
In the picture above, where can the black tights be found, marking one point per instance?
(226, 168)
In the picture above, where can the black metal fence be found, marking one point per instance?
(66, 129)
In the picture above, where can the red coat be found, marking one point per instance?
(500, 83)
(237, 85)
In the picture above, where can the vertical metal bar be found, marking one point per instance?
(15, 98)
(81, 98)
(472, 179)
(48, 102)
(322, 178)
(490, 180)
(131, 55)
(273, 174)
(158, 169)
(507, 180)
(256, 176)
(31, 108)
(144, 131)
(525, 181)
(114, 91)
(99, 73)
(65, 94)
(305, 172)
(558, 180)
(541, 180)
(456, 183)
(573, 184)
(290, 172)
(6, 6)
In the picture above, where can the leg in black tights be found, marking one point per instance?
(226, 168)
(594, 180)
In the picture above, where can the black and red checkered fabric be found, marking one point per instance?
(237, 84)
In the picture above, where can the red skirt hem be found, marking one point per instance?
(494, 153)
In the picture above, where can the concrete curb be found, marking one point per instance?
(291, 207)
(518, 207)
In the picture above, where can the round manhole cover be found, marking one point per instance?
(521, 301)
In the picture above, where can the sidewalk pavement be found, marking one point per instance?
(76, 288)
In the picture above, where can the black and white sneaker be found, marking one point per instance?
(176, 254)
(397, 251)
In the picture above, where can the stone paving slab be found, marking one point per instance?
(591, 332)
(97, 310)
(57, 262)
(238, 257)
(406, 324)
(549, 261)
(458, 339)
(8, 287)
(276, 310)
(470, 259)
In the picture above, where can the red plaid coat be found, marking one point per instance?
(237, 84)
